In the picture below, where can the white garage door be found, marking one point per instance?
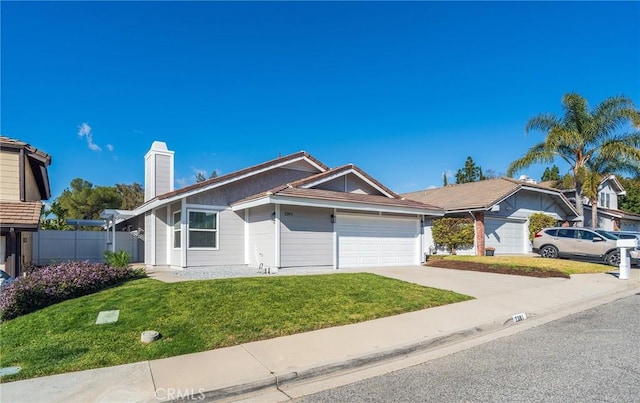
(506, 236)
(369, 241)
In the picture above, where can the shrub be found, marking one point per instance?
(117, 259)
(52, 284)
(453, 232)
(538, 221)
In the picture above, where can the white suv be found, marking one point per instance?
(634, 253)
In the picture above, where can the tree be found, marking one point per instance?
(492, 174)
(453, 232)
(132, 195)
(539, 221)
(551, 174)
(631, 201)
(582, 136)
(201, 178)
(84, 201)
(470, 172)
(445, 183)
(59, 222)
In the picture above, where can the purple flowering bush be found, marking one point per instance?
(56, 283)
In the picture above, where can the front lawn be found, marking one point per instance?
(518, 265)
(198, 316)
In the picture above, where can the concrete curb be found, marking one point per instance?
(495, 329)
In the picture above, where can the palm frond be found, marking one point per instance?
(543, 122)
(536, 154)
(612, 115)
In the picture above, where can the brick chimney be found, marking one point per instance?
(158, 171)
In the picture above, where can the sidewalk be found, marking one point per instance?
(253, 366)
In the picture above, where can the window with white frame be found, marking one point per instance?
(608, 205)
(203, 229)
(177, 229)
(601, 199)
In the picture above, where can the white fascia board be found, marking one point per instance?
(304, 202)
(206, 207)
(318, 167)
(621, 191)
(384, 192)
(150, 206)
(325, 179)
(605, 212)
(252, 203)
(297, 201)
(344, 173)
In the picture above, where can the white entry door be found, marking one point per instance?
(370, 241)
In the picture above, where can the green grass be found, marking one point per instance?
(528, 264)
(198, 316)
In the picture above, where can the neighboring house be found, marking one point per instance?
(24, 183)
(610, 217)
(500, 209)
(293, 211)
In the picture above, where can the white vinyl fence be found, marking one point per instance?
(51, 246)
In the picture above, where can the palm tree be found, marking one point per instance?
(583, 137)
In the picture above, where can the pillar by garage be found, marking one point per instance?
(479, 231)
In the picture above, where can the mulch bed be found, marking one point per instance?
(494, 268)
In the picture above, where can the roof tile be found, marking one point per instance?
(20, 214)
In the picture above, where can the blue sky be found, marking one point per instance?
(406, 91)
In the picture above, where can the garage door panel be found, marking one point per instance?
(376, 241)
(506, 236)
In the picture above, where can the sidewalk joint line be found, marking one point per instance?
(153, 381)
(260, 362)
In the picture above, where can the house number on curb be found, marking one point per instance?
(519, 317)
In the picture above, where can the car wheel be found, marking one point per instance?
(549, 251)
(613, 258)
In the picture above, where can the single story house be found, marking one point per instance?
(24, 183)
(292, 211)
(500, 209)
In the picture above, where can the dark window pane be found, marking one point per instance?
(202, 239)
(552, 232)
(202, 220)
(176, 239)
(586, 235)
(565, 233)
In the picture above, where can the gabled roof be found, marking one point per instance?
(300, 192)
(229, 178)
(6, 142)
(331, 199)
(20, 215)
(38, 161)
(616, 213)
(615, 184)
(480, 195)
(344, 170)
